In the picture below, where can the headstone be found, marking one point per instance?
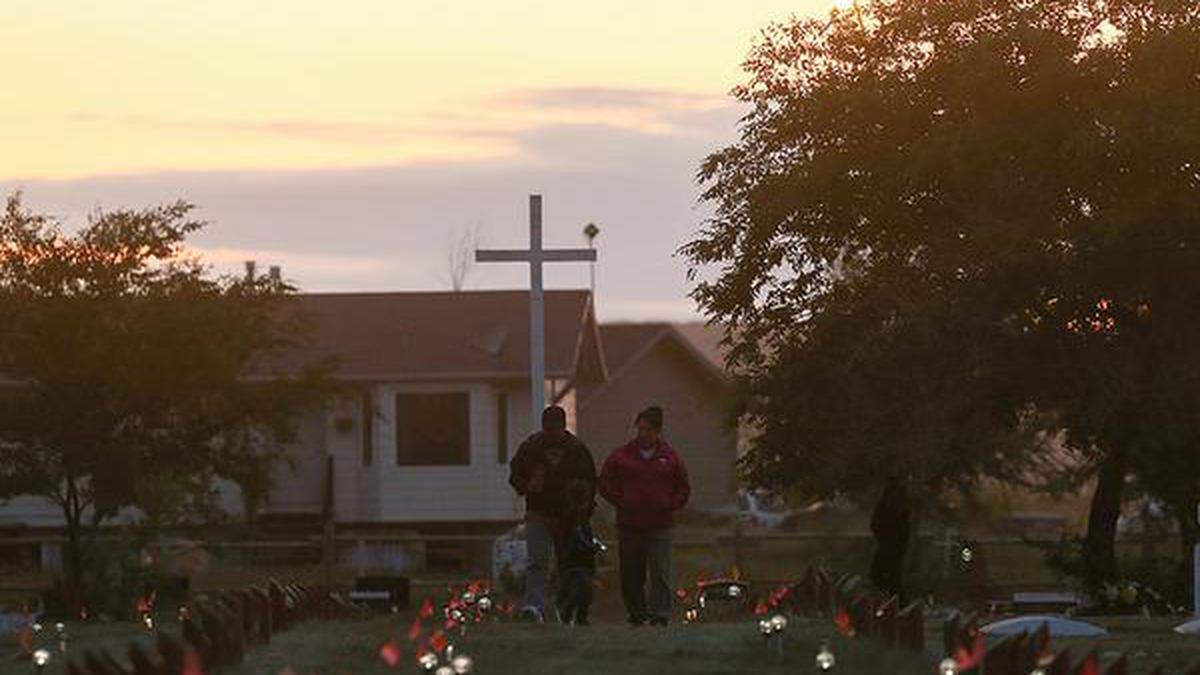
(172, 652)
(141, 660)
(1057, 625)
(1060, 664)
(911, 630)
(998, 660)
(952, 633)
(862, 616)
(1089, 664)
(804, 593)
(886, 627)
(1118, 667)
(826, 601)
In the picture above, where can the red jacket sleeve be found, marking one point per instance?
(609, 483)
(682, 490)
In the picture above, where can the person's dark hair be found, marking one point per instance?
(652, 416)
(554, 418)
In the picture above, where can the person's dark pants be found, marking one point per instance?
(642, 552)
(574, 594)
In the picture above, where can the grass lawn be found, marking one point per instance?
(612, 648)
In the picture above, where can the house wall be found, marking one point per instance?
(31, 511)
(381, 492)
(387, 493)
(297, 487)
(694, 404)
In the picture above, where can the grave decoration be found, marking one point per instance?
(825, 658)
(41, 657)
(719, 599)
(434, 652)
(217, 629)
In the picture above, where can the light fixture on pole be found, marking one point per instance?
(590, 231)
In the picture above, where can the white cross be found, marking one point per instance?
(535, 256)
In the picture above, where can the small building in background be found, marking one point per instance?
(679, 367)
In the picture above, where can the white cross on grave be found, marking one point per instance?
(535, 256)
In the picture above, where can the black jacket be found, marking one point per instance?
(563, 462)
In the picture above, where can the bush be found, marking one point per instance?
(1152, 585)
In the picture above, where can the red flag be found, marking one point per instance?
(390, 653)
(25, 641)
(426, 609)
(414, 631)
(191, 663)
(439, 641)
(968, 659)
(145, 603)
(1089, 666)
(844, 623)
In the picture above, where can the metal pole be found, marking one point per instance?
(1196, 573)
(537, 314)
(1196, 581)
(592, 272)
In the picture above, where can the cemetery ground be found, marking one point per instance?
(610, 647)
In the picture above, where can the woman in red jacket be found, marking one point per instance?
(647, 482)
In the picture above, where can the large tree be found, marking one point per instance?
(133, 376)
(949, 192)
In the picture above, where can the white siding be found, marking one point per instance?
(30, 511)
(356, 487)
(297, 487)
(476, 492)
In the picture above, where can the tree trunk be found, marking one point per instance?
(1100, 542)
(73, 588)
(891, 526)
(1189, 531)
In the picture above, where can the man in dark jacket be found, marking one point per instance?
(647, 482)
(541, 471)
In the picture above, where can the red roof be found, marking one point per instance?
(445, 335)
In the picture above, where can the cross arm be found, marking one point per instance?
(548, 255)
(569, 255)
(501, 255)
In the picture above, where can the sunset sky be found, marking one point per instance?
(348, 141)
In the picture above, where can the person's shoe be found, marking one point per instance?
(658, 621)
(532, 614)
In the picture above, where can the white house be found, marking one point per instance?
(441, 400)
(438, 399)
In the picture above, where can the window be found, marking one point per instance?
(432, 430)
(502, 428)
(368, 429)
